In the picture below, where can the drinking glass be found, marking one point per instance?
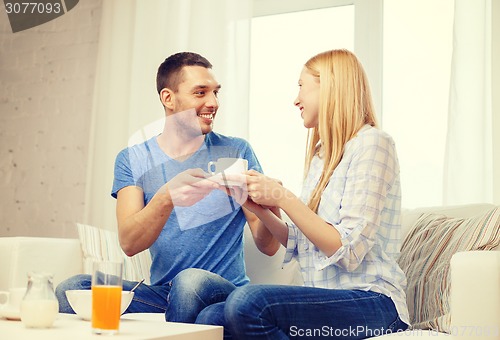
(106, 297)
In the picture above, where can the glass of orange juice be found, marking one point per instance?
(106, 297)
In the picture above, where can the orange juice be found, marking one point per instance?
(106, 302)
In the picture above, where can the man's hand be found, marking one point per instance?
(240, 195)
(189, 187)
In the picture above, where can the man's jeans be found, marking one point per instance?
(288, 312)
(181, 300)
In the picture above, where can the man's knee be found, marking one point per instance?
(241, 302)
(212, 315)
(193, 279)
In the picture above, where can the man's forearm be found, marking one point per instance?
(274, 224)
(140, 230)
(267, 230)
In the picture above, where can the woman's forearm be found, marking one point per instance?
(317, 230)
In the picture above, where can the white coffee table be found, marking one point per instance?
(132, 326)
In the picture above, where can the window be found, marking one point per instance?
(280, 45)
(405, 43)
(416, 74)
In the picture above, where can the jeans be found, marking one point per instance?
(193, 291)
(181, 300)
(288, 312)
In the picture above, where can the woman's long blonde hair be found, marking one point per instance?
(345, 107)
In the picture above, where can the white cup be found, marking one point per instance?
(228, 166)
(11, 300)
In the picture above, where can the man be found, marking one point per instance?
(167, 202)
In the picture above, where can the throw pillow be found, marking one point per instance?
(425, 258)
(103, 245)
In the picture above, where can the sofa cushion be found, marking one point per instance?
(99, 244)
(410, 216)
(425, 258)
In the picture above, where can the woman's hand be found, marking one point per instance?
(264, 190)
(255, 190)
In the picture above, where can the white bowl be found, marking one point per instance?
(81, 301)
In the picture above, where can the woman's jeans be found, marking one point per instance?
(288, 312)
(181, 300)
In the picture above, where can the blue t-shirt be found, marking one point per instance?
(207, 235)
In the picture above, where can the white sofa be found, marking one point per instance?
(64, 257)
(20, 255)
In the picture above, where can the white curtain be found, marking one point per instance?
(135, 37)
(468, 171)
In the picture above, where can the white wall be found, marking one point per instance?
(47, 80)
(496, 99)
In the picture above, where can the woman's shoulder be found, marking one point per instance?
(370, 136)
(372, 144)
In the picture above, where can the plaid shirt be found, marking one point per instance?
(363, 202)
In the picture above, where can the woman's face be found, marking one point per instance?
(308, 98)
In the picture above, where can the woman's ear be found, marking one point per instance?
(167, 98)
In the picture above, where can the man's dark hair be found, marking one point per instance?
(170, 71)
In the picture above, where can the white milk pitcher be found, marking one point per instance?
(39, 307)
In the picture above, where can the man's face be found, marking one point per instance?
(198, 90)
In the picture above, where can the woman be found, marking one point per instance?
(345, 230)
